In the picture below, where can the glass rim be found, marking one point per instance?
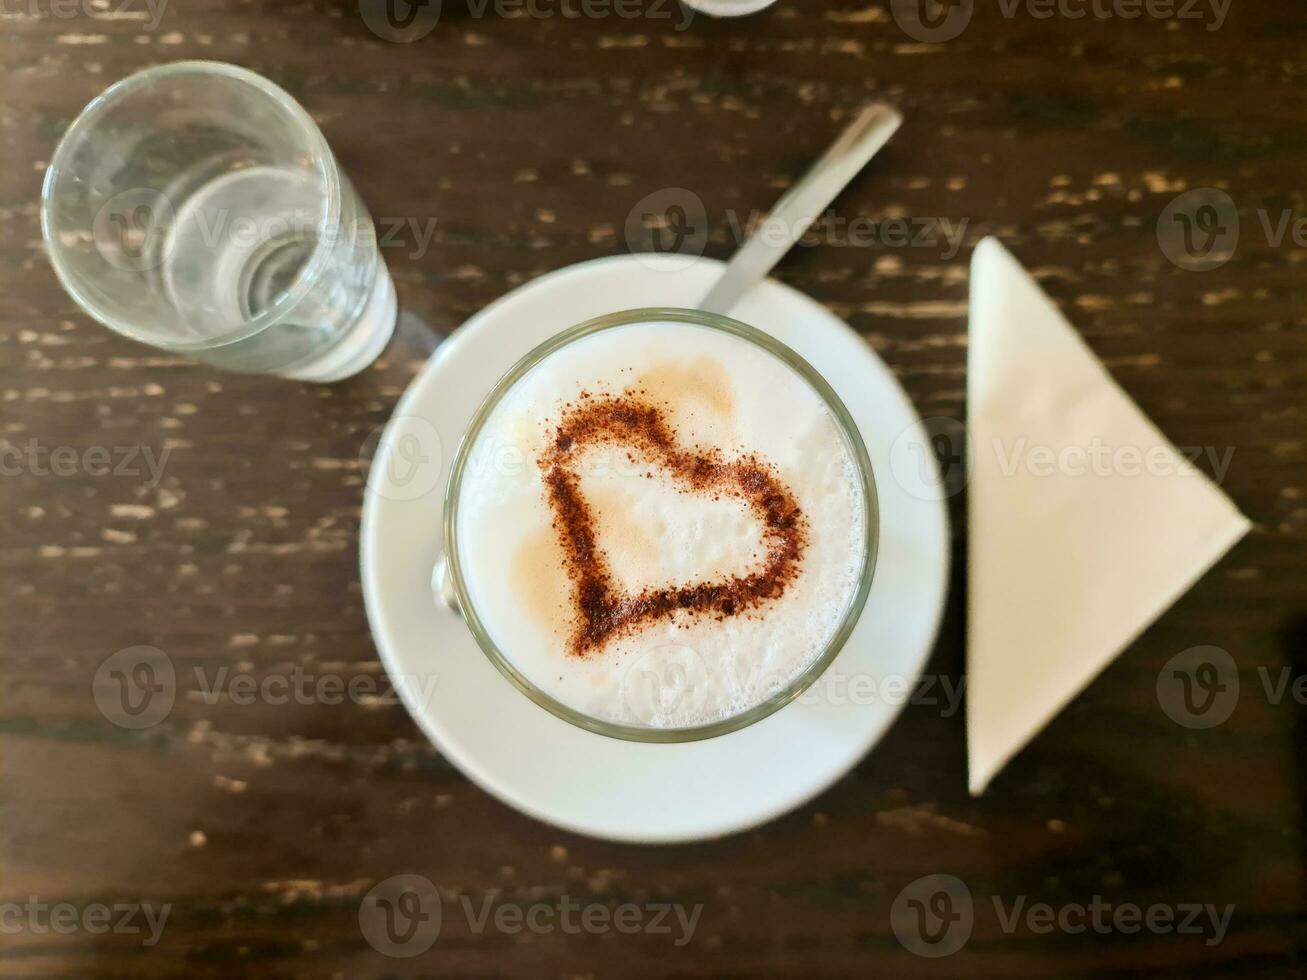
(326, 167)
(871, 525)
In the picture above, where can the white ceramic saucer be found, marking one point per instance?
(589, 783)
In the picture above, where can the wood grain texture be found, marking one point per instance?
(529, 140)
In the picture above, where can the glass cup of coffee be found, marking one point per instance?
(660, 525)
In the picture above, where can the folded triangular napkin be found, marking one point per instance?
(1085, 522)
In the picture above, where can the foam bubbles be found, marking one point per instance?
(719, 392)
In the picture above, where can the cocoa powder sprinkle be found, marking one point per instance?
(602, 609)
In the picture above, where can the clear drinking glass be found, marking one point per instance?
(197, 208)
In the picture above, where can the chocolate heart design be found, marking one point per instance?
(602, 609)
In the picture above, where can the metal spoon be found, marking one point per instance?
(802, 205)
(793, 213)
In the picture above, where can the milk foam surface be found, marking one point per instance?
(718, 392)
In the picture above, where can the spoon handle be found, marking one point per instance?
(802, 205)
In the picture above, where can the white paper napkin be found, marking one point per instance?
(1085, 522)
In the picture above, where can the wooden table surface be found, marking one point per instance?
(528, 139)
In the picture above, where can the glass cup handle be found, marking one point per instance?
(442, 586)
